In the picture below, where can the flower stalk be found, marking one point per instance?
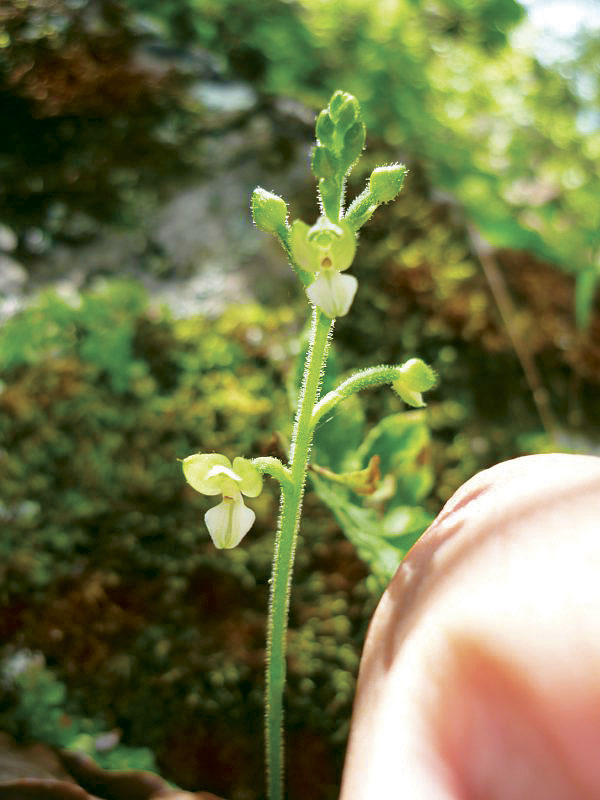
(285, 549)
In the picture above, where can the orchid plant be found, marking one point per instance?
(320, 255)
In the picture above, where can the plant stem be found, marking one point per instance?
(365, 379)
(285, 549)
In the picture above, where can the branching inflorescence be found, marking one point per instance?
(320, 255)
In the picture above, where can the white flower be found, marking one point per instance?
(213, 474)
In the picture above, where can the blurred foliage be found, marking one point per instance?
(35, 708)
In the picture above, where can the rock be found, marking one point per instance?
(8, 238)
(13, 275)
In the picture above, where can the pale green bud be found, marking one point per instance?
(323, 163)
(325, 129)
(344, 109)
(354, 141)
(414, 377)
(386, 182)
(269, 211)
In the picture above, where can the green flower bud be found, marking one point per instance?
(354, 141)
(348, 113)
(385, 182)
(344, 109)
(325, 129)
(329, 190)
(336, 102)
(323, 162)
(414, 377)
(269, 211)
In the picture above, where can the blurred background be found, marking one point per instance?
(143, 319)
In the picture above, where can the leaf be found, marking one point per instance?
(363, 528)
(402, 443)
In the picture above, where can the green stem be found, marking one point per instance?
(273, 467)
(285, 549)
(365, 379)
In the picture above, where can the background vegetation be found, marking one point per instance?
(123, 632)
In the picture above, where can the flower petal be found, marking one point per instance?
(333, 293)
(343, 248)
(250, 482)
(306, 254)
(197, 470)
(229, 522)
(225, 479)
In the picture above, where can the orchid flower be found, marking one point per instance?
(213, 474)
(326, 249)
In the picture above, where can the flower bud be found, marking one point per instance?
(269, 211)
(385, 182)
(344, 109)
(325, 129)
(414, 377)
(323, 162)
(354, 141)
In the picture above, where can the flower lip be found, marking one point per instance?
(229, 522)
(333, 292)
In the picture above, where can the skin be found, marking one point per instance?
(480, 677)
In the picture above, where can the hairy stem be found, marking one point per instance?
(365, 379)
(273, 467)
(285, 549)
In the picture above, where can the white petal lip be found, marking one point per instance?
(229, 522)
(333, 293)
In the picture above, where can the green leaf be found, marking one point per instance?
(402, 443)
(407, 522)
(363, 528)
(397, 439)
